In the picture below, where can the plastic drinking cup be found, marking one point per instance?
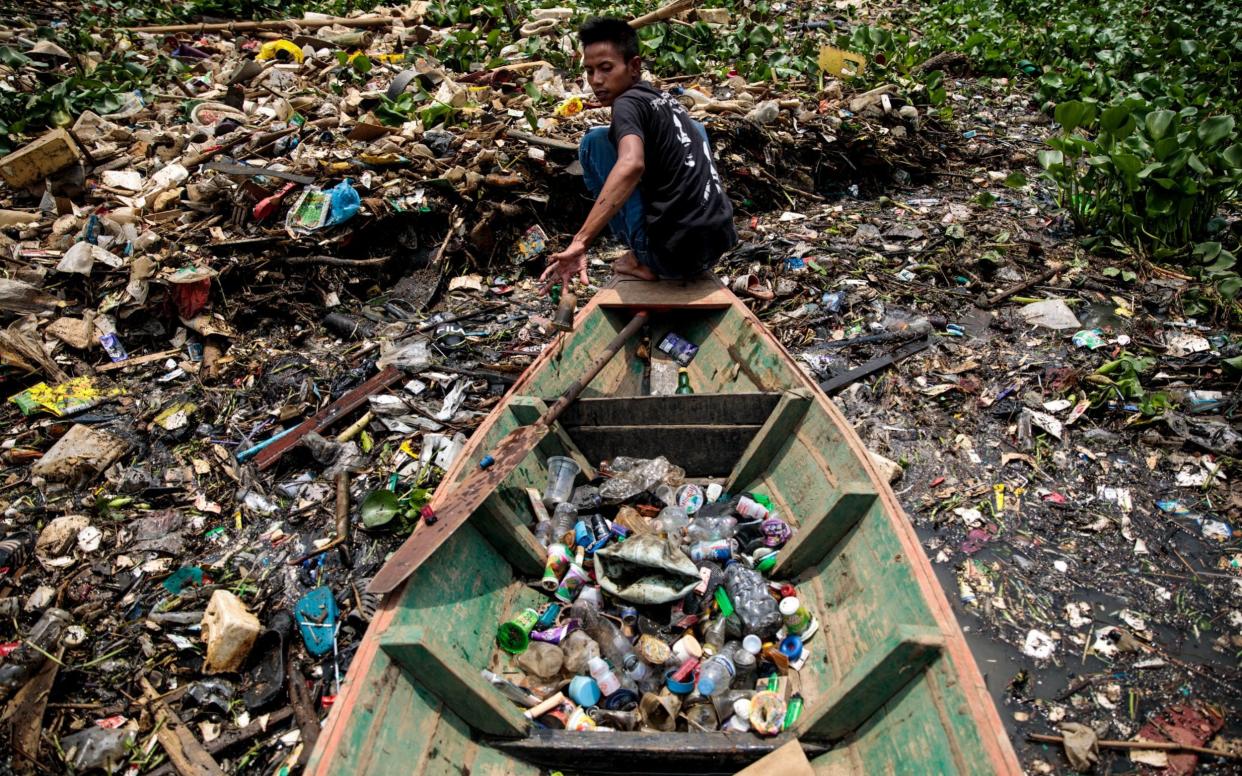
(561, 474)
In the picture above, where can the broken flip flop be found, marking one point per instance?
(267, 674)
(752, 286)
(317, 615)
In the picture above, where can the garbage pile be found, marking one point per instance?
(252, 312)
(661, 617)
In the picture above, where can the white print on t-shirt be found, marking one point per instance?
(713, 186)
(678, 110)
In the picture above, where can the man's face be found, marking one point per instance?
(608, 72)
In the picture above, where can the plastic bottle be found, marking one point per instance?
(612, 643)
(718, 550)
(671, 520)
(563, 518)
(683, 382)
(749, 592)
(715, 676)
(22, 662)
(746, 666)
(510, 690)
(706, 529)
(714, 636)
(797, 618)
(543, 532)
(603, 676)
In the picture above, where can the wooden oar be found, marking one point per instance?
(470, 494)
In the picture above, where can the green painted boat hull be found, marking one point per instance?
(890, 686)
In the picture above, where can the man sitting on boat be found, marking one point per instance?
(651, 172)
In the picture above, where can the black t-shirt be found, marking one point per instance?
(682, 190)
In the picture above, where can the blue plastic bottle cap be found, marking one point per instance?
(791, 647)
(584, 691)
(681, 688)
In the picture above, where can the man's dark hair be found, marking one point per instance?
(609, 29)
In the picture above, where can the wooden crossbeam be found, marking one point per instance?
(459, 686)
(816, 536)
(878, 676)
(509, 533)
(774, 433)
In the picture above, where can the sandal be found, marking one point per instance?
(267, 675)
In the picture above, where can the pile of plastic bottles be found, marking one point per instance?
(714, 657)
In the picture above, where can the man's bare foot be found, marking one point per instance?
(627, 264)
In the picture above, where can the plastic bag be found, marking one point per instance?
(646, 569)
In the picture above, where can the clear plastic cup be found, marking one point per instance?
(561, 474)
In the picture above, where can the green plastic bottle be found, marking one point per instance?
(683, 382)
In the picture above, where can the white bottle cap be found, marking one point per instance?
(789, 606)
(752, 644)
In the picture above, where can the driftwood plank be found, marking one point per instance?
(775, 432)
(817, 535)
(459, 687)
(184, 750)
(528, 409)
(874, 680)
(25, 715)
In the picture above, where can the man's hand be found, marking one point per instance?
(564, 265)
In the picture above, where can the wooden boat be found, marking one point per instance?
(890, 688)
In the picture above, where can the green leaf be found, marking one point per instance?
(1207, 251)
(1114, 118)
(1233, 156)
(1129, 164)
(1212, 131)
(1070, 115)
(13, 58)
(362, 63)
(1158, 123)
(1049, 159)
(1233, 363)
(1015, 180)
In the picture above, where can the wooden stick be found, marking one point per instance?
(991, 301)
(180, 744)
(333, 261)
(547, 142)
(303, 712)
(236, 737)
(1168, 746)
(274, 24)
(659, 15)
(137, 360)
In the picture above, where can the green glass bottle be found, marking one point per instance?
(683, 382)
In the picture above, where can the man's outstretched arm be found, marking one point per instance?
(618, 187)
